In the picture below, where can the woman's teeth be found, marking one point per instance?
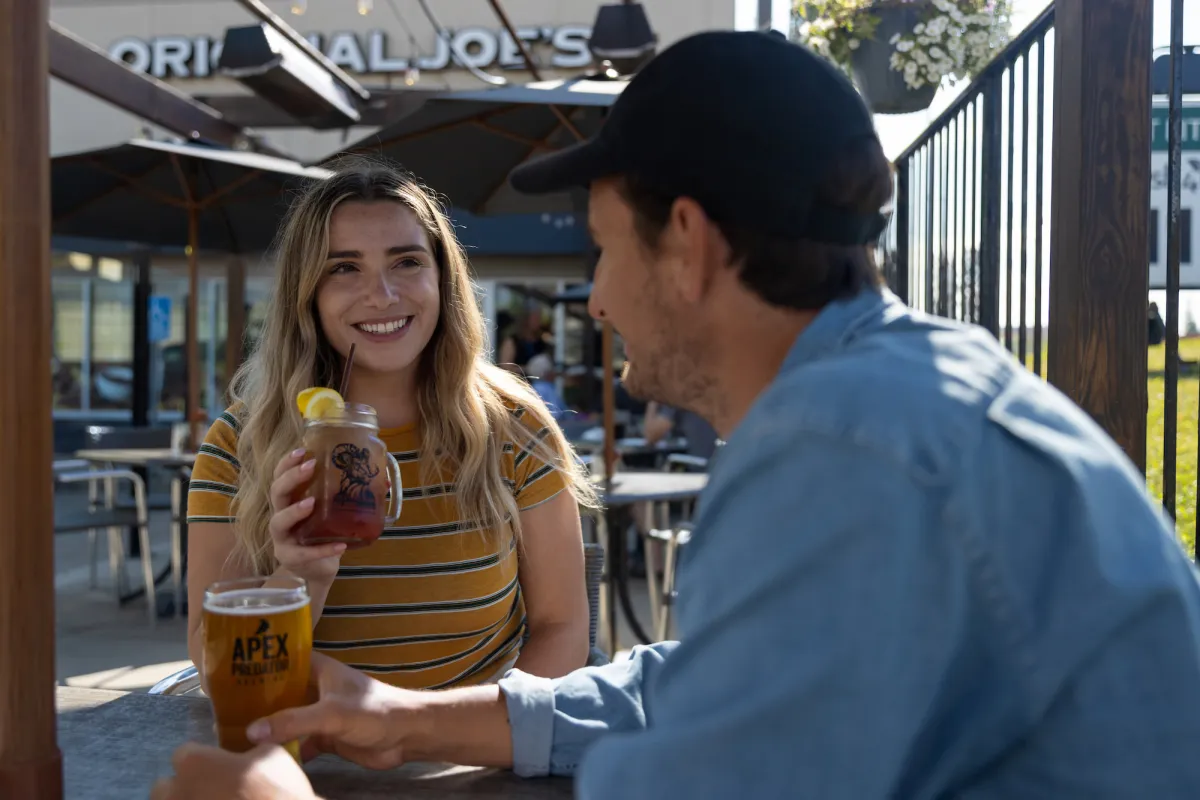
(383, 327)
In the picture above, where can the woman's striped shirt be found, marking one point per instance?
(435, 602)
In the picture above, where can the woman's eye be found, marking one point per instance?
(344, 267)
(408, 264)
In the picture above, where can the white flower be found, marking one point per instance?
(853, 43)
(895, 38)
(904, 47)
(919, 28)
(937, 52)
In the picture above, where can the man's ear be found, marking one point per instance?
(692, 249)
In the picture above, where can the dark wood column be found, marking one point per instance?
(1099, 246)
(30, 764)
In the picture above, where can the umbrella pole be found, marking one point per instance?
(30, 762)
(610, 400)
(192, 407)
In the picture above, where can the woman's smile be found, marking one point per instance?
(383, 330)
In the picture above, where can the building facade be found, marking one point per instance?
(384, 44)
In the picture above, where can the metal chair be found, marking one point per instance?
(111, 518)
(674, 538)
(187, 680)
(107, 437)
(673, 535)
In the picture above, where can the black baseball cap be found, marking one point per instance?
(745, 123)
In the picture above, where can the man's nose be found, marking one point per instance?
(594, 308)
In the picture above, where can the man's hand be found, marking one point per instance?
(207, 773)
(356, 717)
(381, 727)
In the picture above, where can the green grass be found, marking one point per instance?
(1186, 438)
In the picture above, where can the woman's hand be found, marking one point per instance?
(317, 564)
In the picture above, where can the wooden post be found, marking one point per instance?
(30, 763)
(610, 400)
(193, 413)
(235, 329)
(1099, 275)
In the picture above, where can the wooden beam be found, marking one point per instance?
(235, 303)
(30, 762)
(1099, 278)
(86, 67)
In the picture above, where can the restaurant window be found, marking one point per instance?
(68, 361)
(112, 336)
(168, 358)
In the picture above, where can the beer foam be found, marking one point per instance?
(253, 602)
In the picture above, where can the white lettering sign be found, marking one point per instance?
(368, 54)
(1189, 205)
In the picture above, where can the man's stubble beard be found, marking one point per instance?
(671, 373)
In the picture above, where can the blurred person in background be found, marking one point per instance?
(541, 374)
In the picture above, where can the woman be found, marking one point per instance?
(484, 568)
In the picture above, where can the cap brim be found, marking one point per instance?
(571, 167)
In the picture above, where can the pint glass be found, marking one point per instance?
(257, 649)
(350, 480)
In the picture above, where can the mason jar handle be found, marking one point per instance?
(393, 510)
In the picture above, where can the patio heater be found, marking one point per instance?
(622, 37)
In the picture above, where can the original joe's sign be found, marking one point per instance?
(366, 54)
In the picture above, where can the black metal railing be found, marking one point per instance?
(956, 246)
(1174, 253)
(968, 236)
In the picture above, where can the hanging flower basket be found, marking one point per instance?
(900, 51)
(871, 63)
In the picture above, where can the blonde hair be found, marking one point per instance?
(465, 402)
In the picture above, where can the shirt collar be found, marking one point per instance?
(840, 322)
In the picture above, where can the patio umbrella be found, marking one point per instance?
(464, 144)
(165, 194)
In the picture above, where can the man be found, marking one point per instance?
(917, 572)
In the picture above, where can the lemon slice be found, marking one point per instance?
(318, 401)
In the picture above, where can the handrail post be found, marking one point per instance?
(901, 201)
(989, 188)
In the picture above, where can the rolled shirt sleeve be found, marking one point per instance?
(554, 722)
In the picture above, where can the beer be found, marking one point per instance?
(257, 650)
(350, 480)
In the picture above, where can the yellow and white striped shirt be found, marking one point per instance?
(435, 602)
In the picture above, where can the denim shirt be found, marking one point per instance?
(918, 571)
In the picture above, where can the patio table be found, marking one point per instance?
(629, 488)
(115, 745)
